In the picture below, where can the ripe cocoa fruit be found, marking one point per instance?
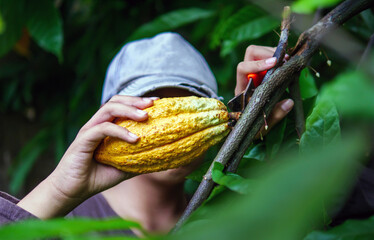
(176, 132)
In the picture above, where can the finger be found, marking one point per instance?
(91, 138)
(254, 53)
(139, 102)
(112, 110)
(280, 111)
(246, 67)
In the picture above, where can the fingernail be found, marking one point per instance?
(150, 99)
(287, 56)
(133, 136)
(146, 100)
(287, 105)
(271, 61)
(140, 112)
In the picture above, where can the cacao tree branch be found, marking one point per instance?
(279, 54)
(268, 93)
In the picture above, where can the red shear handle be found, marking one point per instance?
(257, 77)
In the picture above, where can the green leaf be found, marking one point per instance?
(198, 174)
(307, 6)
(255, 152)
(308, 86)
(35, 228)
(274, 139)
(287, 197)
(26, 159)
(244, 15)
(216, 191)
(13, 17)
(368, 17)
(99, 237)
(353, 94)
(170, 21)
(254, 29)
(249, 31)
(45, 26)
(231, 180)
(227, 47)
(322, 127)
(351, 229)
(2, 25)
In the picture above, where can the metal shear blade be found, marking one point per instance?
(238, 103)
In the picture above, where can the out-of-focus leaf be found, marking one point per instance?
(198, 174)
(171, 21)
(254, 29)
(274, 139)
(45, 26)
(322, 127)
(248, 31)
(190, 186)
(244, 15)
(253, 159)
(351, 229)
(2, 24)
(60, 147)
(287, 197)
(9, 94)
(368, 18)
(223, 15)
(13, 16)
(231, 180)
(26, 159)
(307, 6)
(227, 47)
(255, 152)
(216, 191)
(353, 94)
(35, 228)
(308, 86)
(99, 237)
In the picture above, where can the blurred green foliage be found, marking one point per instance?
(54, 56)
(63, 228)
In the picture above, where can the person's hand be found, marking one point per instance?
(78, 176)
(258, 59)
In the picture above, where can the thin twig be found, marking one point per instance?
(365, 56)
(271, 90)
(317, 15)
(280, 51)
(294, 88)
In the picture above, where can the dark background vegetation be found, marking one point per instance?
(53, 59)
(51, 84)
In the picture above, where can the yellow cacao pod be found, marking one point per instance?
(176, 132)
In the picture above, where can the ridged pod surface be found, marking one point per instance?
(177, 131)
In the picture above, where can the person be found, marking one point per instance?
(143, 71)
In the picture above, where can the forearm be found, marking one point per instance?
(46, 202)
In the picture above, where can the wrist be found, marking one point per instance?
(45, 201)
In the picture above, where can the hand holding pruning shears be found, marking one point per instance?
(249, 75)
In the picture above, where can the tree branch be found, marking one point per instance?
(268, 93)
(279, 54)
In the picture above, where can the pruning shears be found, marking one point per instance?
(239, 102)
